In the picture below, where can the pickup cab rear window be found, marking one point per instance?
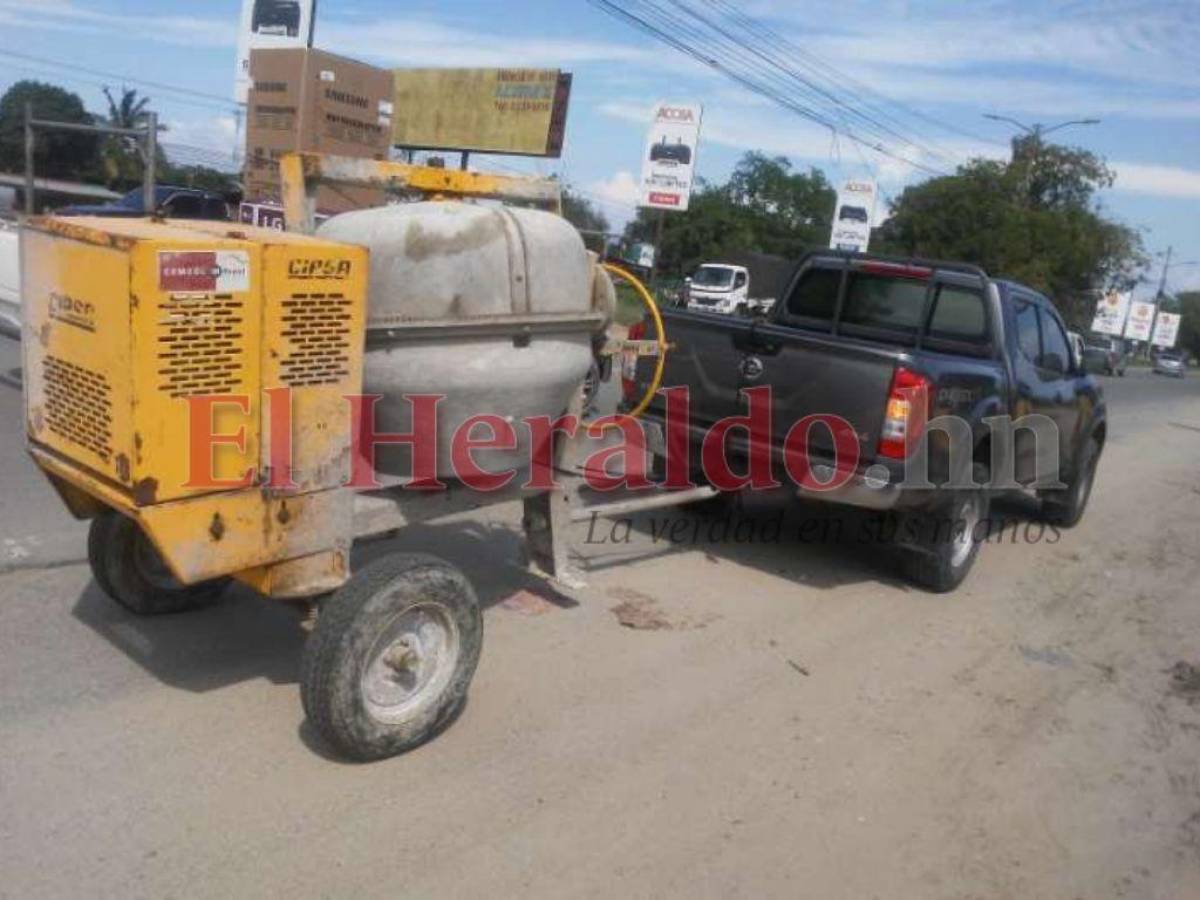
(880, 301)
(883, 305)
(815, 297)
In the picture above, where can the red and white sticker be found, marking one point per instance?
(204, 271)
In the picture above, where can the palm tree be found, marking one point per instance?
(122, 155)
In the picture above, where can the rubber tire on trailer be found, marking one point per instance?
(345, 644)
(939, 564)
(1066, 508)
(97, 542)
(130, 570)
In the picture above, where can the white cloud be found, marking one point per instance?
(621, 189)
(1158, 181)
(66, 15)
(418, 43)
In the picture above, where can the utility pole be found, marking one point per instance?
(1162, 284)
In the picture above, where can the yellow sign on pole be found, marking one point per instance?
(518, 111)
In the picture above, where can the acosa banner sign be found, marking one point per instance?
(669, 162)
(853, 216)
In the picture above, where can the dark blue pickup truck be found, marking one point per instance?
(939, 386)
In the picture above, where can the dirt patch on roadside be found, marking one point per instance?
(641, 612)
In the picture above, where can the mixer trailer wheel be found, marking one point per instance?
(391, 657)
(130, 570)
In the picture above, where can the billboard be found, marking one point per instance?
(853, 215)
(1166, 330)
(669, 162)
(515, 111)
(270, 23)
(1141, 320)
(1110, 314)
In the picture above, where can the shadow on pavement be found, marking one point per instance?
(246, 637)
(815, 545)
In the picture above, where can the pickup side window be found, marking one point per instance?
(1029, 337)
(884, 302)
(816, 295)
(959, 315)
(1056, 352)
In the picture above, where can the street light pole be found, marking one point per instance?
(1037, 129)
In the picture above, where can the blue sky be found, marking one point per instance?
(1132, 64)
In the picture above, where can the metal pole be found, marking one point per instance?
(658, 239)
(30, 182)
(151, 150)
(1162, 284)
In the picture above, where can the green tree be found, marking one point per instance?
(58, 154)
(1189, 326)
(1034, 219)
(122, 157)
(584, 215)
(765, 207)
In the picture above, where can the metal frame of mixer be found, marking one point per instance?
(548, 515)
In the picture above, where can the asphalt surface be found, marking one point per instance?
(766, 718)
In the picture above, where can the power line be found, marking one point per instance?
(843, 109)
(210, 99)
(818, 67)
(656, 22)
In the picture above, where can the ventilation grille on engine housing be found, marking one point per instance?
(318, 328)
(200, 345)
(78, 405)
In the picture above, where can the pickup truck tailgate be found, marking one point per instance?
(811, 374)
(705, 357)
(716, 357)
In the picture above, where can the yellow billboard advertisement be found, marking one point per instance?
(517, 111)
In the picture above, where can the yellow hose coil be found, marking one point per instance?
(660, 335)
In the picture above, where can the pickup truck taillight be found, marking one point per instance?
(907, 413)
(629, 361)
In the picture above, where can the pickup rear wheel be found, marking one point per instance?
(945, 544)
(1065, 508)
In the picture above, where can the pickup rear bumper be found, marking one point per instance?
(865, 489)
(876, 486)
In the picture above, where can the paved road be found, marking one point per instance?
(802, 724)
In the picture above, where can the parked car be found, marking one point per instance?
(1106, 354)
(169, 203)
(1170, 362)
(280, 17)
(855, 339)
